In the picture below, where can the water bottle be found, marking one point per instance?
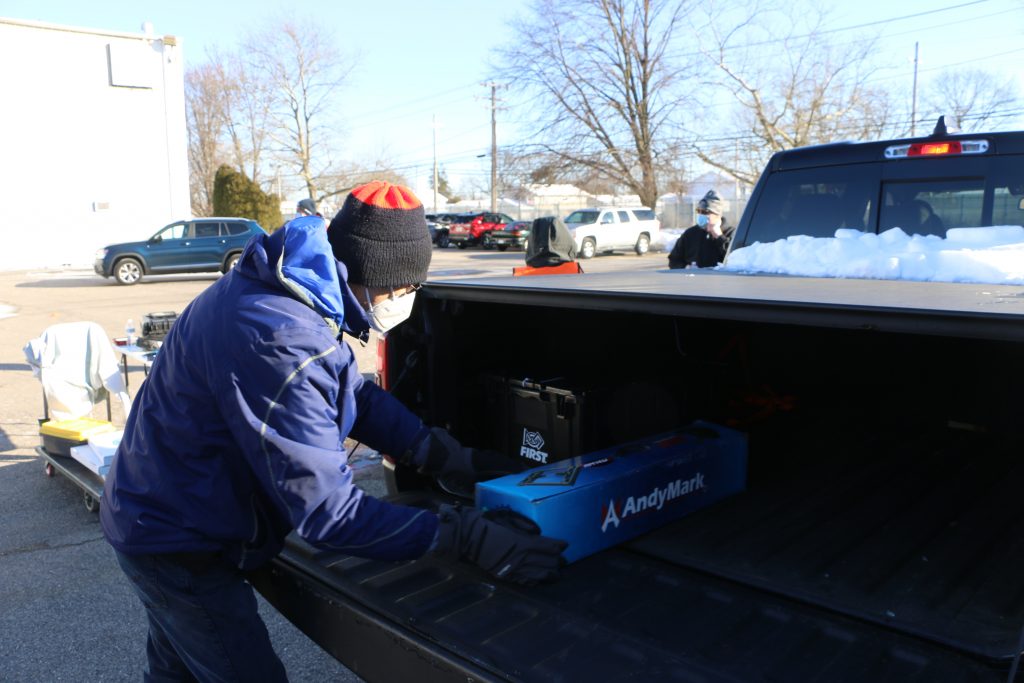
(129, 332)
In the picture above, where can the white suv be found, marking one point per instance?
(612, 228)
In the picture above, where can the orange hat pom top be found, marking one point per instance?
(386, 196)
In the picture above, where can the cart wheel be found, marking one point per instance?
(48, 468)
(91, 504)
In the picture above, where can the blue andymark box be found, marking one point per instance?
(603, 498)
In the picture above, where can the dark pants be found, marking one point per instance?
(203, 620)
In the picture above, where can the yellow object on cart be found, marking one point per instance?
(60, 435)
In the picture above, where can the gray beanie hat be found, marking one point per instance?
(711, 202)
(381, 236)
(307, 205)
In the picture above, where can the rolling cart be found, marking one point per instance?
(90, 482)
(75, 361)
(81, 476)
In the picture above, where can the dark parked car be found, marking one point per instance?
(513, 234)
(200, 245)
(438, 225)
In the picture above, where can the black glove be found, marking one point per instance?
(440, 454)
(505, 550)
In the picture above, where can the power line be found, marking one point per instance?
(948, 66)
(853, 27)
(780, 45)
(390, 108)
(894, 19)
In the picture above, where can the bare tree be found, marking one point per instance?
(601, 82)
(305, 72)
(972, 96)
(250, 101)
(205, 110)
(796, 90)
(515, 169)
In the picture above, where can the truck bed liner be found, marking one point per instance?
(619, 615)
(920, 534)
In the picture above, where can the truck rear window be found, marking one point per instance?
(818, 201)
(932, 207)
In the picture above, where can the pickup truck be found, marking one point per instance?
(882, 523)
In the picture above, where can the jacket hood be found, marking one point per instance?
(298, 259)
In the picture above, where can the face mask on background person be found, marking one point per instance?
(702, 220)
(390, 312)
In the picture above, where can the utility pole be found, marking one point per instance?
(913, 102)
(434, 125)
(494, 149)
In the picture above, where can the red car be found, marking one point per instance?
(471, 229)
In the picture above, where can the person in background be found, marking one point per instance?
(703, 245)
(306, 207)
(236, 439)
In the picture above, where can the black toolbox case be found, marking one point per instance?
(539, 421)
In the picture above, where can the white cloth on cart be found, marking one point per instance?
(77, 367)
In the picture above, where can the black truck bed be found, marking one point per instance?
(620, 615)
(918, 533)
(886, 559)
(879, 537)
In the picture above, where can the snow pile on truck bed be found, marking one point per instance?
(982, 255)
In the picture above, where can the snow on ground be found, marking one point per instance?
(981, 255)
(666, 239)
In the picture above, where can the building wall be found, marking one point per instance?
(93, 143)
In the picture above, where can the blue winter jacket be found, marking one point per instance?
(236, 436)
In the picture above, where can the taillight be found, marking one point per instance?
(930, 149)
(381, 373)
(921, 149)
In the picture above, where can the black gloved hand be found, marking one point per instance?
(503, 551)
(440, 454)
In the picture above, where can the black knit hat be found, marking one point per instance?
(381, 236)
(307, 205)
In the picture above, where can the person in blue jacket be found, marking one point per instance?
(236, 439)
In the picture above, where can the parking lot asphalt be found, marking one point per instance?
(68, 612)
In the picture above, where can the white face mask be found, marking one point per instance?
(390, 312)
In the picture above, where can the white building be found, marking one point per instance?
(93, 143)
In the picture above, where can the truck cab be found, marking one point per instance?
(923, 186)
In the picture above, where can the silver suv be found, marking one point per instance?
(612, 228)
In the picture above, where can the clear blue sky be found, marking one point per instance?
(420, 59)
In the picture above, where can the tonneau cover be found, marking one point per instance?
(936, 308)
